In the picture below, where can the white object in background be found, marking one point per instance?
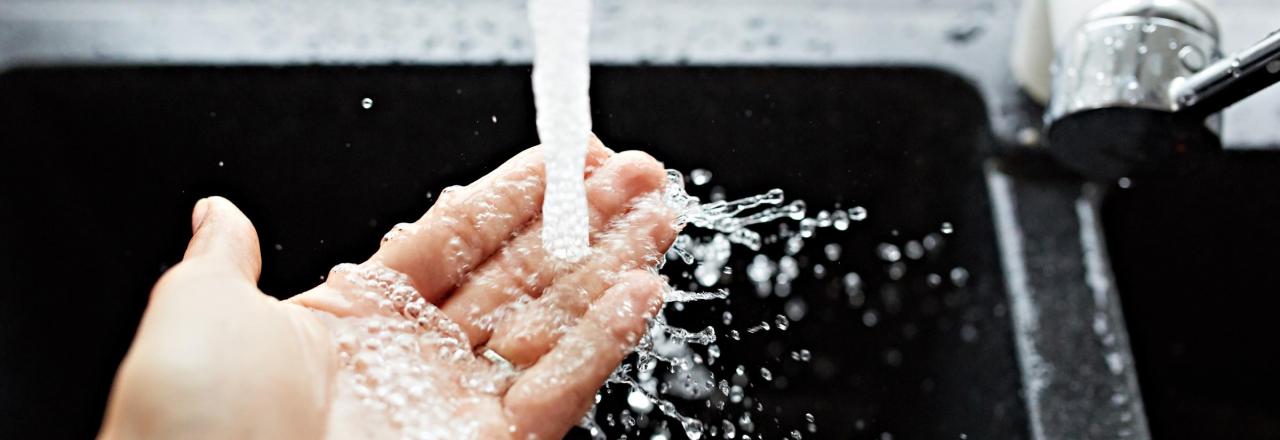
(1031, 51)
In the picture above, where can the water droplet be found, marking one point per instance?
(761, 269)
(840, 220)
(794, 244)
(968, 333)
(1119, 399)
(700, 176)
(857, 213)
(824, 219)
(707, 274)
(788, 268)
(946, 228)
(762, 326)
(914, 250)
(852, 282)
(727, 428)
(933, 280)
(692, 428)
(717, 193)
(807, 227)
(959, 276)
(221, 163)
(1132, 92)
(366, 103)
(897, 270)
(735, 393)
(893, 357)
(796, 308)
(888, 252)
(796, 210)
(639, 402)
(832, 250)
(1187, 99)
(1115, 362)
(870, 318)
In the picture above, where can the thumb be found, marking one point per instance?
(209, 338)
(223, 239)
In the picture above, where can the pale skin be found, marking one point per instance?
(215, 357)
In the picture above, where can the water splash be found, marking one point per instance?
(670, 362)
(686, 373)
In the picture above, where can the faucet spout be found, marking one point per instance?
(1137, 87)
(1229, 80)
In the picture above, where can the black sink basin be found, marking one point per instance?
(103, 165)
(1195, 259)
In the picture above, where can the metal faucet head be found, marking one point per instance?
(1183, 11)
(1113, 109)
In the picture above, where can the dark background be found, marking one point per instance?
(102, 165)
(1195, 258)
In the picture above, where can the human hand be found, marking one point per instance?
(387, 348)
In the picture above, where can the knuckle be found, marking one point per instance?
(640, 167)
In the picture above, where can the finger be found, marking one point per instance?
(594, 147)
(636, 241)
(553, 394)
(467, 225)
(199, 329)
(329, 296)
(223, 242)
(523, 267)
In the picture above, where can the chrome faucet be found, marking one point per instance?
(1140, 83)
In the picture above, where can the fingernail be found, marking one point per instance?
(199, 213)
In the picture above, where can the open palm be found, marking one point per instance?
(460, 326)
